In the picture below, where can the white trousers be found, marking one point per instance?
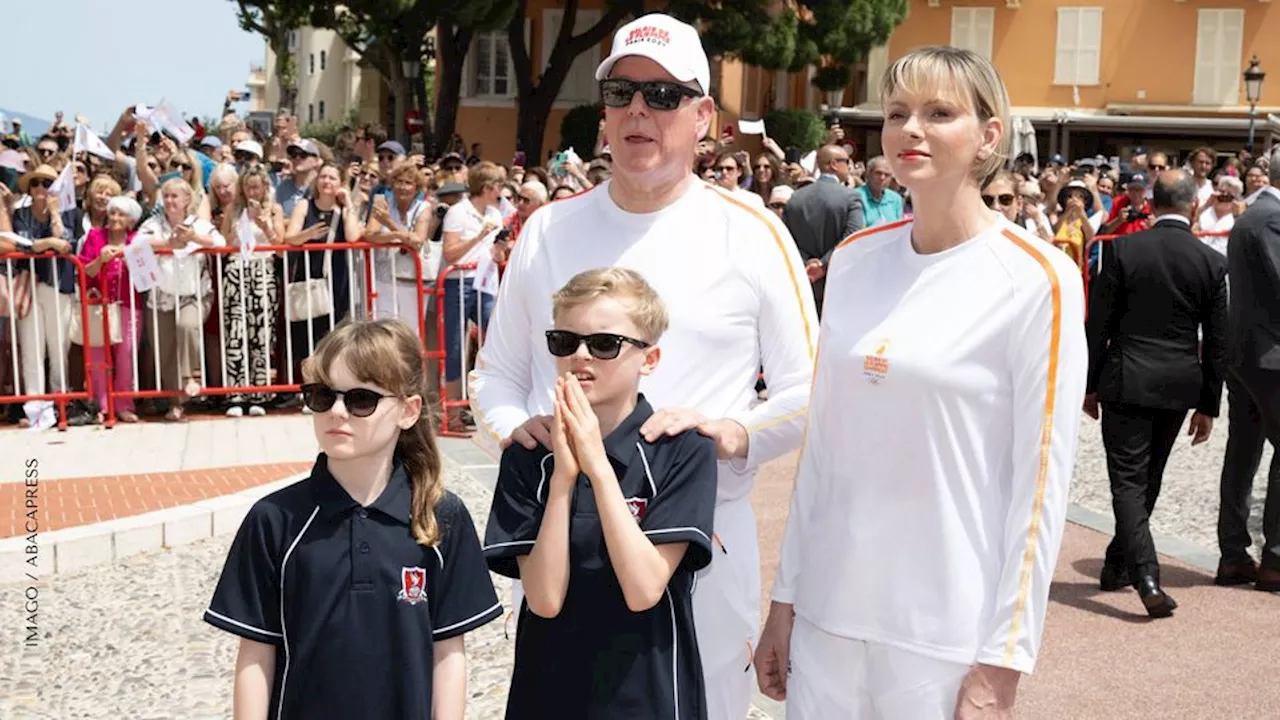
(397, 300)
(45, 333)
(837, 677)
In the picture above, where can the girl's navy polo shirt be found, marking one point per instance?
(351, 601)
(597, 659)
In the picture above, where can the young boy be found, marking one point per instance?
(605, 530)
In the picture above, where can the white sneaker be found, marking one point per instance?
(256, 411)
(235, 411)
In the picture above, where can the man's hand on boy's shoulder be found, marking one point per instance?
(732, 440)
(535, 431)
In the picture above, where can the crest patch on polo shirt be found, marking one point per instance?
(413, 585)
(638, 506)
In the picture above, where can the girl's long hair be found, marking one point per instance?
(387, 353)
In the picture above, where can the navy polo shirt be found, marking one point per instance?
(597, 659)
(352, 603)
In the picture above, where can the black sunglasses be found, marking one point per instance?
(777, 206)
(602, 346)
(45, 152)
(359, 401)
(180, 167)
(40, 184)
(245, 157)
(295, 154)
(1005, 199)
(658, 94)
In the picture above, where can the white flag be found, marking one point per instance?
(64, 188)
(168, 117)
(88, 141)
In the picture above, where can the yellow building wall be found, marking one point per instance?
(1147, 45)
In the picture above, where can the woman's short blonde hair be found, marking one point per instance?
(104, 181)
(940, 70)
(406, 170)
(647, 310)
(483, 175)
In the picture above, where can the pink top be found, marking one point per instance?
(113, 278)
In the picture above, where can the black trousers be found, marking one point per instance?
(1138, 441)
(1254, 416)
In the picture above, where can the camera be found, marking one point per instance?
(503, 235)
(441, 211)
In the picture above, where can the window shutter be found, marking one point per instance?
(984, 25)
(877, 64)
(961, 27)
(1207, 22)
(1230, 56)
(1089, 47)
(1065, 66)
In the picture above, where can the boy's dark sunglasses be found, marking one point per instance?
(602, 346)
(658, 94)
(359, 401)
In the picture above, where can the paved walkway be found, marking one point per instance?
(1103, 658)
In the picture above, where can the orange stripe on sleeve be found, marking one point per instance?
(782, 248)
(1046, 434)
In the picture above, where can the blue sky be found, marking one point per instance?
(94, 57)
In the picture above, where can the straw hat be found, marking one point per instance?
(42, 171)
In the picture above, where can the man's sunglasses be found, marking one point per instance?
(1005, 200)
(777, 206)
(360, 402)
(658, 94)
(245, 157)
(296, 155)
(602, 346)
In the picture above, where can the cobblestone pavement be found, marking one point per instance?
(1188, 504)
(127, 641)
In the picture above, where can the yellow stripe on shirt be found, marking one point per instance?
(1046, 434)
(791, 271)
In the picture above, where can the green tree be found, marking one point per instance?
(834, 34)
(274, 20)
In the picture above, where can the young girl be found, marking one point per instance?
(351, 590)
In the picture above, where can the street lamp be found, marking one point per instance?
(1253, 77)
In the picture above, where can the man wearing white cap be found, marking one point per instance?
(737, 295)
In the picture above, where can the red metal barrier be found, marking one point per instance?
(229, 388)
(446, 403)
(60, 399)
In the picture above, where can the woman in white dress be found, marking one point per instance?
(1220, 215)
(932, 491)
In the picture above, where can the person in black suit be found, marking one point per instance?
(1158, 289)
(822, 214)
(1253, 352)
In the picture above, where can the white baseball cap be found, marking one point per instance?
(252, 147)
(665, 40)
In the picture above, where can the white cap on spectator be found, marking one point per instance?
(665, 40)
(249, 146)
(307, 146)
(781, 193)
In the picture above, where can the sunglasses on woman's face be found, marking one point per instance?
(40, 183)
(601, 346)
(1004, 199)
(658, 94)
(360, 402)
(180, 167)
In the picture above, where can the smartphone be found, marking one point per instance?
(518, 159)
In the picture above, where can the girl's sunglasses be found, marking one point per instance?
(1004, 200)
(658, 94)
(602, 346)
(360, 402)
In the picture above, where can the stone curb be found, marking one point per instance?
(75, 548)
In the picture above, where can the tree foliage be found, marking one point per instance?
(796, 127)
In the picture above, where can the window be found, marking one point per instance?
(972, 27)
(321, 114)
(1079, 46)
(877, 64)
(311, 113)
(291, 41)
(311, 64)
(323, 61)
(491, 75)
(580, 84)
(1219, 57)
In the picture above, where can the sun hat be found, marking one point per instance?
(41, 171)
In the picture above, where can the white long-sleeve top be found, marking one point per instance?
(736, 293)
(932, 491)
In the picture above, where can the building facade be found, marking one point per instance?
(331, 82)
(1103, 76)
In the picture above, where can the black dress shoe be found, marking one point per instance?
(1114, 577)
(1235, 573)
(1268, 580)
(1158, 603)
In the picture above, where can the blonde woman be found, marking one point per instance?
(250, 293)
(101, 190)
(941, 434)
(224, 182)
(181, 303)
(401, 219)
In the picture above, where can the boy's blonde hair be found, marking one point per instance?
(972, 78)
(647, 310)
